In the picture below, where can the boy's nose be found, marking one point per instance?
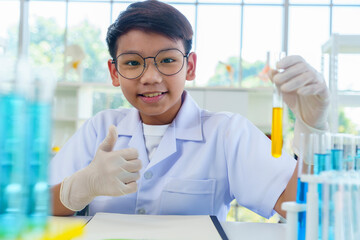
(151, 75)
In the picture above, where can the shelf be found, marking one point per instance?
(335, 46)
(68, 119)
(64, 84)
(342, 44)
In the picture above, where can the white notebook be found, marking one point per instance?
(150, 227)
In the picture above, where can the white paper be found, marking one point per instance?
(170, 227)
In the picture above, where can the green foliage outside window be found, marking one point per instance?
(346, 125)
(95, 63)
(46, 47)
(47, 44)
(250, 74)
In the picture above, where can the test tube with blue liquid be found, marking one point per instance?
(357, 153)
(322, 162)
(337, 151)
(322, 152)
(12, 149)
(334, 228)
(38, 150)
(304, 166)
(348, 152)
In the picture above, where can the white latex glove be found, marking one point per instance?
(306, 94)
(110, 173)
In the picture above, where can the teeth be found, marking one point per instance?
(151, 94)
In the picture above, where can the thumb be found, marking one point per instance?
(108, 144)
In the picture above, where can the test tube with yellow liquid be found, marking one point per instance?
(277, 110)
(277, 124)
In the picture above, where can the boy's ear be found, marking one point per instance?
(113, 73)
(191, 67)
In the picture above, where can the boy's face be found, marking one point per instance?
(155, 95)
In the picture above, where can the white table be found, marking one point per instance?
(254, 231)
(246, 230)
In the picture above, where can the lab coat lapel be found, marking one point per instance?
(131, 126)
(188, 120)
(166, 148)
(137, 141)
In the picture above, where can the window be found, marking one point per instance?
(218, 45)
(9, 28)
(307, 34)
(47, 33)
(87, 33)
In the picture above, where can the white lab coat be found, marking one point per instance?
(202, 163)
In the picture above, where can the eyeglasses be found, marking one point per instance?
(132, 65)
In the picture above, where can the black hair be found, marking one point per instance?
(150, 16)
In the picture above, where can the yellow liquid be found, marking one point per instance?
(276, 132)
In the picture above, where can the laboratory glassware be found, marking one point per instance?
(322, 150)
(304, 167)
(357, 152)
(277, 110)
(322, 162)
(12, 149)
(337, 151)
(348, 152)
(38, 150)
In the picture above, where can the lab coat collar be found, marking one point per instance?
(187, 122)
(131, 126)
(130, 123)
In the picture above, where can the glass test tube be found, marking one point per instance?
(357, 152)
(302, 187)
(337, 149)
(322, 162)
(349, 152)
(276, 127)
(12, 152)
(277, 111)
(322, 149)
(38, 150)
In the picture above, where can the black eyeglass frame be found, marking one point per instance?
(144, 66)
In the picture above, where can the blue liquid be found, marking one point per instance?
(320, 210)
(38, 144)
(336, 159)
(333, 189)
(12, 161)
(302, 188)
(357, 159)
(322, 162)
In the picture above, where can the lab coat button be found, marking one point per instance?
(148, 175)
(141, 211)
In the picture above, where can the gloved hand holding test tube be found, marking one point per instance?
(277, 111)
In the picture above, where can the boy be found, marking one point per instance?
(167, 156)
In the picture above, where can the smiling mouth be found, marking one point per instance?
(150, 95)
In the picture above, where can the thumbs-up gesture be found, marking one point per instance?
(110, 173)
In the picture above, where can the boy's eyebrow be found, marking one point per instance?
(138, 52)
